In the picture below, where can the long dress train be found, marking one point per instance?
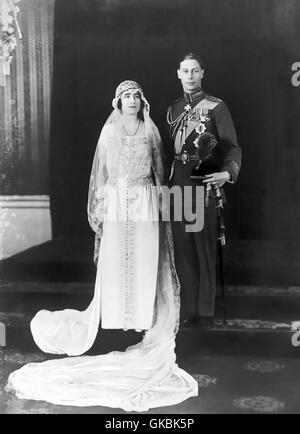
(145, 376)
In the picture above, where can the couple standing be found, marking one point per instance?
(142, 278)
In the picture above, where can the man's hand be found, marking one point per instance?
(218, 178)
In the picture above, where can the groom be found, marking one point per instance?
(192, 118)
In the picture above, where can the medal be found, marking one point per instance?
(199, 115)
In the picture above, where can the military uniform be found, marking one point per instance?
(193, 116)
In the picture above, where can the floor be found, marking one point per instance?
(228, 383)
(249, 365)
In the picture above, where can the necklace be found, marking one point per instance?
(138, 126)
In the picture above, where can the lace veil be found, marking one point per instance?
(107, 154)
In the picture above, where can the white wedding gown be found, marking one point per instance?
(145, 375)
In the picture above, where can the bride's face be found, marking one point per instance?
(131, 102)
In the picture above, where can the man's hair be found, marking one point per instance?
(194, 56)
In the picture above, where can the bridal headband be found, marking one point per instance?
(124, 87)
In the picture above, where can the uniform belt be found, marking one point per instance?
(185, 157)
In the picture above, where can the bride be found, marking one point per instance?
(136, 284)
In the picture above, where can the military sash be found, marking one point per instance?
(203, 107)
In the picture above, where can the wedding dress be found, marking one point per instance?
(136, 287)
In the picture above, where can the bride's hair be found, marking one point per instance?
(141, 111)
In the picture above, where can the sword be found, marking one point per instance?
(221, 244)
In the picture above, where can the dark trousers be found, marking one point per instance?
(195, 260)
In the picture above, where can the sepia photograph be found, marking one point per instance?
(149, 209)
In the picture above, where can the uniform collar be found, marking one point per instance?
(190, 97)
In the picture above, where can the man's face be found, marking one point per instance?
(131, 102)
(190, 74)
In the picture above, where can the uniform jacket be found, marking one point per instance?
(227, 153)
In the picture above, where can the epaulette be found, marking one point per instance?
(213, 98)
